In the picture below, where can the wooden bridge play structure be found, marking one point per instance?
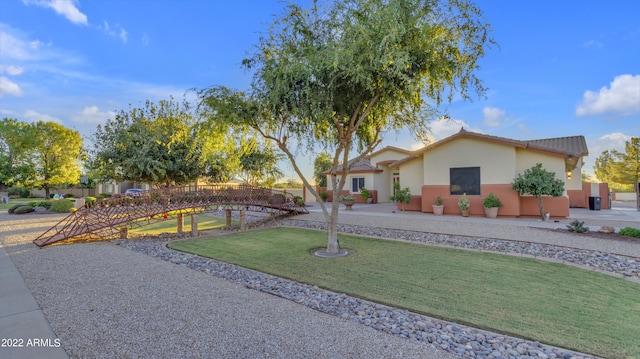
(108, 216)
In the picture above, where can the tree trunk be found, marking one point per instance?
(46, 193)
(539, 200)
(333, 246)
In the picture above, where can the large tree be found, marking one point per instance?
(341, 76)
(539, 183)
(57, 155)
(156, 144)
(620, 169)
(16, 165)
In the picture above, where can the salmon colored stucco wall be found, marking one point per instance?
(509, 198)
(414, 205)
(558, 207)
(577, 198)
(513, 204)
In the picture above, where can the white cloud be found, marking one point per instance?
(8, 87)
(493, 116)
(118, 31)
(66, 8)
(34, 116)
(621, 98)
(446, 127)
(145, 40)
(11, 70)
(92, 115)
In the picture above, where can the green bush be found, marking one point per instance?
(20, 191)
(68, 195)
(90, 201)
(630, 232)
(492, 201)
(23, 209)
(61, 206)
(299, 200)
(324, 196)
(44, 204)
(13, 208)
(577, 227)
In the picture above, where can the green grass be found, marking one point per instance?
(205, 222)
(550, 302)
(14, 201)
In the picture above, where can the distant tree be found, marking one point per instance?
(322, 163)
(539, 183)
(341, 78)
(620, 169)
(259, 164)
(157, 144)
(57, 155)
(16, 142)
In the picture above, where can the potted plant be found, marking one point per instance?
(366, 195)
(348, 201)
(464, 205)
(324, 196)
(438, 207)
(491, 205)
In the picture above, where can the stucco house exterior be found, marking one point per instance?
(475, 164)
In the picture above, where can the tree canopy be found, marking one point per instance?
(16, 165)
(57, 156)
(538, 182)
(155, 144)
(341, 76)
(620, 169)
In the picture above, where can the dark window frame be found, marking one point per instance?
(464, 180)
(355, 185)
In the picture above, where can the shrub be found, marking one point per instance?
(13, 208)
(90, 201)
(463, 202)
(23, 209)
(577, 227)
(492, 201)
(20, 191)
(61, 206)
(68, 195)
(324, 196)
(364, 193)
(630, 232)
(104, 195)
(299, 200)
(43, 204)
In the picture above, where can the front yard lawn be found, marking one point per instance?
(551, 302)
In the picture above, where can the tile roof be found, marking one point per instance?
(358, 165)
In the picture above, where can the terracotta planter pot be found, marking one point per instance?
(437, 210)
(465, 213)
(491, 212)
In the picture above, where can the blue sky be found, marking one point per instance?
(563, 68)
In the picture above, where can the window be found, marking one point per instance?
(465, 180)
(356, 184)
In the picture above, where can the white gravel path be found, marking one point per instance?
(104, 301)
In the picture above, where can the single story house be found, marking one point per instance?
(475, 164)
